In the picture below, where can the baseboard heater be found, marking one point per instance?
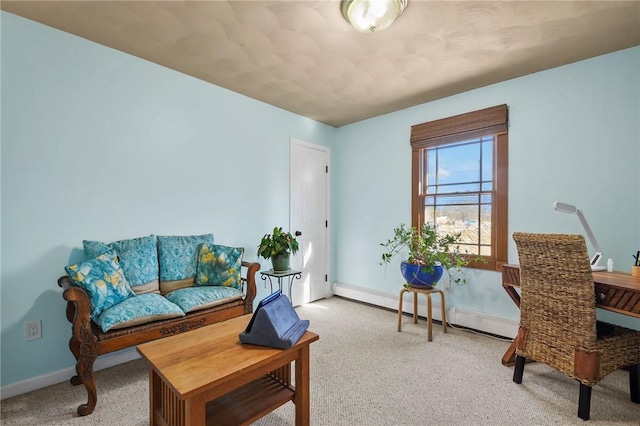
(462, 317)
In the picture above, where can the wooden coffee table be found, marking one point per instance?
(206, 376)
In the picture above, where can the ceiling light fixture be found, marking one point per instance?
(369, 16)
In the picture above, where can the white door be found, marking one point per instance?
(309, 218)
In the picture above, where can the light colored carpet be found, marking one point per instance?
(363, 372)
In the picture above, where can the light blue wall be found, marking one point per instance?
(97, 144)
(574, 136)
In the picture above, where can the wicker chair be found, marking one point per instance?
(558, 324)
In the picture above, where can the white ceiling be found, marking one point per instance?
(302, 56)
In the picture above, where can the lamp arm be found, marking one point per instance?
(596, 247)
(587, 229)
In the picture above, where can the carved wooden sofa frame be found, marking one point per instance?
(88, 340)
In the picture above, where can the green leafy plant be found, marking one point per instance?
(426, 247)
(279, 242)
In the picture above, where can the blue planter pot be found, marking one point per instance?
(419, 276)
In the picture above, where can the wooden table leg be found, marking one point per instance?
(429, 315)
(154, 395)
(509, 357)
(301, 397)
(400, 309)
(195, 412)
(444, 310)
(415, 307)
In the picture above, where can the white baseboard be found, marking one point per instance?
(488, 323)
(104, 361)
(387, 300)
(457, 316)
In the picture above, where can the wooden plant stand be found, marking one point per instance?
(427, 292)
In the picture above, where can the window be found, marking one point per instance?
(459, 173)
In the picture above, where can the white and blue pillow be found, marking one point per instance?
(103, 279)
(219, 266)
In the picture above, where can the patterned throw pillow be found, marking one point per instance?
(138, 259)
(197, 298)
(138, 310)
(94, 248)
(219, 265)
(103, 279)
(177, 256)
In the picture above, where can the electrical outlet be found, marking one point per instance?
(33, 330)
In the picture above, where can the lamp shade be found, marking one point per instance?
(563, 207)
(368, 16)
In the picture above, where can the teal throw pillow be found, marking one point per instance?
(196, 298)
(219, 265)
(178, 255)
(103, 279)
(138, 310)
(94, 248)
(138, 258)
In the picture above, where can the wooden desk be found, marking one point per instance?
(206, 376)
(614, 291)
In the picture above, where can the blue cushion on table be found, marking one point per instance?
(219, 265)
(177, 256)
(138, 258)
(137, 310)
(103, 279)
(196, 298)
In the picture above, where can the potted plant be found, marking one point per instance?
(429, 254)
(278, 246)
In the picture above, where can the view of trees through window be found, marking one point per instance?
(459, 183)
(458, 190)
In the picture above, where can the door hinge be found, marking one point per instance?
(326, 223)
(326, 169)
(326, 278)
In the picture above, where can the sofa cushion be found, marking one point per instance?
(138, 310)
(103, 279)
(177, 256)
(196, 298)
(138, 258)
(219, 265)
(94, 248)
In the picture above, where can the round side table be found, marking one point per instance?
(427, 292)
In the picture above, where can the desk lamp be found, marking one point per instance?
(568, 208)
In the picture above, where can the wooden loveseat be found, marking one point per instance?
(89, 340)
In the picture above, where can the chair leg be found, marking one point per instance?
(584, 403)
(519, 369)
(634, 383)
